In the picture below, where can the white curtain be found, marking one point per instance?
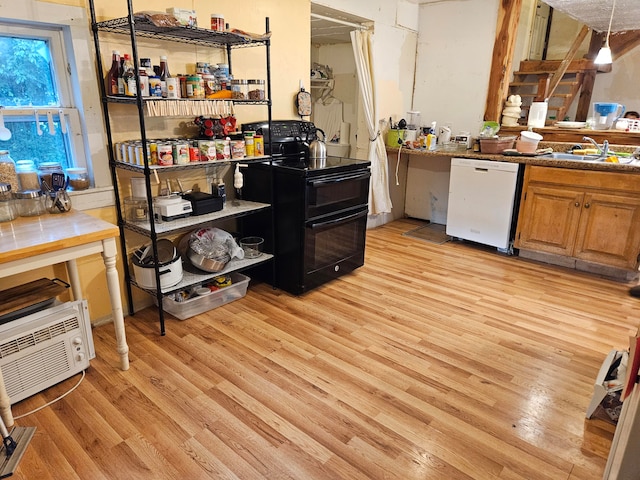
(379, 198)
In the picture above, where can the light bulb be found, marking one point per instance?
(604, 56)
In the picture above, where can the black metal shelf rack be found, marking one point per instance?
(135, 27)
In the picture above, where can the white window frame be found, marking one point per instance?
(88, 137)
(62, 72)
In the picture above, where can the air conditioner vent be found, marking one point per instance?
(29, 371)
(38, 336)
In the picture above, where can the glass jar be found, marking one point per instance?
(255, 89)
(8, 170)
(27, 175)
(78, 178)
(8, 209)
(57, 202)
(239, 89)
(30, 203)
(45, 170)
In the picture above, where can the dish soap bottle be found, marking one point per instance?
(431, 137)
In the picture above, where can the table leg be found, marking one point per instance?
(74, 279)
(5, 405)
(109, 254)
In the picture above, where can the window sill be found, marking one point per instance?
(101, 197)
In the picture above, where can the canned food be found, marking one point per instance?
(237, 149)
(258, 145)
(165, 154)
(155, 87)
(223, 150)
(153, 153)
(217, 22)
(180, 153)
(172, 87)
(194, 152)
(248, 144)
(207, 150)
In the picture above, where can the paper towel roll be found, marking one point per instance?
(344, 132)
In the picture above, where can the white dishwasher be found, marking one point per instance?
(481, 201)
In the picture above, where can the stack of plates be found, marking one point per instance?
(570, 124)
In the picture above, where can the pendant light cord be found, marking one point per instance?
(613, 9)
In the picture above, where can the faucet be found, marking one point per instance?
(603, 151)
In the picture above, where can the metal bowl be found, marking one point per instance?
(208, 264)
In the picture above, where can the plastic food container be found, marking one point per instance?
(528, 142)
(496, 145)
(252, 246)
(203, 303)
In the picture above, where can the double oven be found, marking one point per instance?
(319, 213)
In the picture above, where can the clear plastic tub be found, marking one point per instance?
(203, 303)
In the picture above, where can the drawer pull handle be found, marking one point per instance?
(587, 205)
(577, 204)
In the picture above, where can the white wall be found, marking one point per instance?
(455, 49)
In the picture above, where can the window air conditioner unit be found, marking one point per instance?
(44, 348)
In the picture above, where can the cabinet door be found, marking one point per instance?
(609, 230)
(549, 220)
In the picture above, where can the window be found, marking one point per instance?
(37, 96)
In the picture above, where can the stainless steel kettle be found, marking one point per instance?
(318, 149)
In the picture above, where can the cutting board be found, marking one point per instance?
(29, 294)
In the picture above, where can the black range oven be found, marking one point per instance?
(320, 216)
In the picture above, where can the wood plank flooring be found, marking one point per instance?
(432, 361)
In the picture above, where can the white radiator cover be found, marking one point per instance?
(44, 348)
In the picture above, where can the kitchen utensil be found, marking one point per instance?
(303, 101)
(38, 128)
(5, 133)
(318, 149)
(213, 264)
(605, 114)
(52, 127)
(571, 124)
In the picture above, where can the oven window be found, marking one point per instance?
(332, 194)
(335, 240)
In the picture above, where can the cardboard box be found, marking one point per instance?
(184, 16)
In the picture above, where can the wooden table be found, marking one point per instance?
(29, 243)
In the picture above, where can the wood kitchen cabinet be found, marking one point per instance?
(586, 215)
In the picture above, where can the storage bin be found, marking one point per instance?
(200, 304)
(496, 145)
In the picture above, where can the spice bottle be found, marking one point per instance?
(8, 170)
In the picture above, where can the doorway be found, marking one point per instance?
(336, 104)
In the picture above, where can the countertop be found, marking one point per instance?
(547, 162)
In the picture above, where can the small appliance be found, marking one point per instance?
(171, 207)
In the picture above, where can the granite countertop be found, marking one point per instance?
(546, 162)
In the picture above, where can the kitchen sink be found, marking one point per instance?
(571, 156)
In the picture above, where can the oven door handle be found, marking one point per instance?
(339, 179)
(337, 221)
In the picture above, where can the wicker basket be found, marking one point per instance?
(496, 145)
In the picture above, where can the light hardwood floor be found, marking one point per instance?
(430, 362)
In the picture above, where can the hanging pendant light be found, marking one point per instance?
(604, 55)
